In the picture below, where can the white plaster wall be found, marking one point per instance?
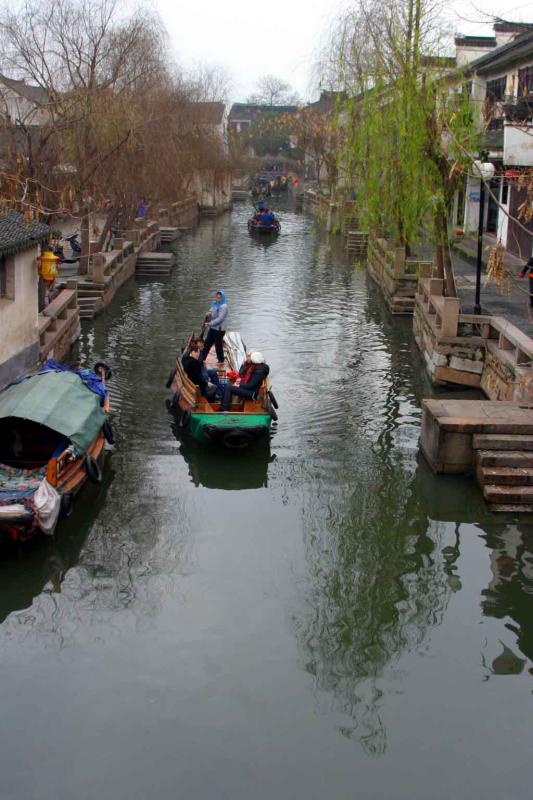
(19, 317)
(518, 145)
(465, 55)
(503, 219)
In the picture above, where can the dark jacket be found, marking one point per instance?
(193, 370)
(258, 375)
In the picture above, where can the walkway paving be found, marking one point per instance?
(513, 306)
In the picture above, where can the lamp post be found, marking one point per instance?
(486, 171)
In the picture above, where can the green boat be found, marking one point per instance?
(247, 420)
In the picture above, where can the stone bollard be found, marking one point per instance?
(98, 262)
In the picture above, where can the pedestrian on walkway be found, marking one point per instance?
(529, 269)
(216, 321)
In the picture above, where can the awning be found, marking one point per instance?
(58, 400)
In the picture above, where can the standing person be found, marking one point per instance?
(529, 269)
(217, 318)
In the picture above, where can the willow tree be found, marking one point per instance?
(407, 125)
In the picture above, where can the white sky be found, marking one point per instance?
(280, 36)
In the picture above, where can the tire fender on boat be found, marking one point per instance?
(237, 439)
(170, 378)
(105, 369)
(272, 398)
(107, 430)
(92, 467)
(67, 504)
(185, 418)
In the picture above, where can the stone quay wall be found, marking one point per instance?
(395, 274)
(478, 351)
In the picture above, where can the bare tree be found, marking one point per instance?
(273, 91)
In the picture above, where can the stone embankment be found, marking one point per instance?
(395, 274)
(494, 440)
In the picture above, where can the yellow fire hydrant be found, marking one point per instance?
(48, 265)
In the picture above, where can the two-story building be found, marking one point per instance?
(500, 81)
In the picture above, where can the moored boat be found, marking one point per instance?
(247, 419)
(53, 426)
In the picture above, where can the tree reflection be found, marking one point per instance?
(509, 594)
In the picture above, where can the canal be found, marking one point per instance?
(317, 618)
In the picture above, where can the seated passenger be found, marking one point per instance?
(268, 218)
(210, 375)
(193, 369)
(250, 383)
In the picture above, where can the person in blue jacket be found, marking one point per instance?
(216, 321)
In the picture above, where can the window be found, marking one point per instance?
(496, 89)
(7, 278)
(505, 192)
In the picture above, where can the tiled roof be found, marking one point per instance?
(17, 235)
(35, 94)
(250, 111)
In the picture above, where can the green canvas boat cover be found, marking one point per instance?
(59, 400)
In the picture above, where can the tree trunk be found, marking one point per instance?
(85, 241)
(443, 259)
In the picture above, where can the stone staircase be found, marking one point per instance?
(90, 298)
(504, 470)
(154, 264)
(357, 244)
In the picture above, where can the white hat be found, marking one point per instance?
(257, 357)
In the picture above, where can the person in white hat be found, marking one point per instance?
(250, 383)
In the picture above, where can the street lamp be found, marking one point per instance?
(486, 171)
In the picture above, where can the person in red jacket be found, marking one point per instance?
(250, 383)
(529, 269)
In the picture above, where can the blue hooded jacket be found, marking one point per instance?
(219, 313)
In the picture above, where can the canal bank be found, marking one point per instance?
(322, 618)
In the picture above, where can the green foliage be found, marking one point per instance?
(269, 136)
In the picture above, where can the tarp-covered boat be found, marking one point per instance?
(53, 425)
(246, 421)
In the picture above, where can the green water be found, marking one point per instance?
(316, 617)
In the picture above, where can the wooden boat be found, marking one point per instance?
(246, 421)
(255, 226)
(53, 425)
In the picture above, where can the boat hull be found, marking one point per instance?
(234, 431)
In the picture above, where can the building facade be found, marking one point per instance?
(19, 280)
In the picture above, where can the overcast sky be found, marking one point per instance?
(280, 36)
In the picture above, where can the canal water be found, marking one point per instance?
(318, 617)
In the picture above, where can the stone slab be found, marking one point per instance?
(449, 375)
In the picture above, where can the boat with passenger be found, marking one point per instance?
(246, 420)
(53, 426)
(264, 222)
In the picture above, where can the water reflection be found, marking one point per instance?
(216, 468)
(41, 565)
(509, 595)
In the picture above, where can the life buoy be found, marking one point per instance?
(105, 369)
(170, 378)
(237, 439)
(107, 430)
(185, 418)
(67, 504)
(92, 468)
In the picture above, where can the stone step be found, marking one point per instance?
(508, 495)
(505, 476)
(506, 508)
(505, 458)
(502, 441)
